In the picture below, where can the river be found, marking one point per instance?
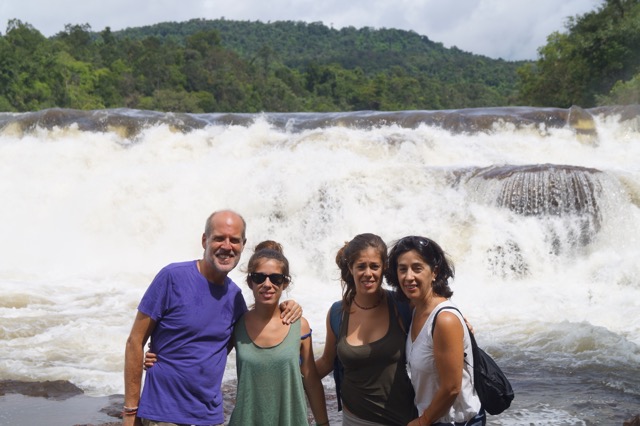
(539, 208)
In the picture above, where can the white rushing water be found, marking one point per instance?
(87, 219)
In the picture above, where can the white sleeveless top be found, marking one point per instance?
(425, 378)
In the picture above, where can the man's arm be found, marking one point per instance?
(142, 327)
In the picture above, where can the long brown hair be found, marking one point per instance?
(348, 254)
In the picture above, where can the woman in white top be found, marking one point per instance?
(441, 364)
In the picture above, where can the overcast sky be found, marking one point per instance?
(508, 29)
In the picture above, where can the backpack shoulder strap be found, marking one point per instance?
(335, 317)
(335, 320)
(474, 345)
(433, 325)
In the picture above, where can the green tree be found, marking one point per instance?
(28, 68)
(76, 39)
(107, 48)
(622, 93)
(599, 49)
(171, 100)
(79, 82)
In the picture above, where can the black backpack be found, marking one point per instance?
(492, 386)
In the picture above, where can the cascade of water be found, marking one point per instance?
(544, 229)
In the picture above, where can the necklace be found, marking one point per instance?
(368, 307)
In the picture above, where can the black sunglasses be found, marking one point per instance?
(259, 278)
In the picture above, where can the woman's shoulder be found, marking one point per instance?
(446, 315)
(446, 306)
(305, 328)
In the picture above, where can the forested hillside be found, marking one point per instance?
(298, 45)
(231, 66)
(240, 66)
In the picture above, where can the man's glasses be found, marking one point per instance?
(259, 278)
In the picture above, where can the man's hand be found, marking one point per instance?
(149, 359)
(290, 312)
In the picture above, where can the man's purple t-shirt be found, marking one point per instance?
(194, 322)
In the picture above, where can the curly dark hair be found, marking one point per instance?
(432, 254)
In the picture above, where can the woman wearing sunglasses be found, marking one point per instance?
(274, 361)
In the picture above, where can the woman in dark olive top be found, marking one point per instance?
(370, 343)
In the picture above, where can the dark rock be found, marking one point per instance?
(56, 389)
(634, 421)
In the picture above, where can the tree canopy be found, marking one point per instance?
(285, 66)
(236, 66)
(597, 61)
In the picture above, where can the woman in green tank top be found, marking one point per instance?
(274, 361)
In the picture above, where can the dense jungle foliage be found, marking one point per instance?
(596, 62)
(240, 66)
(231, 66)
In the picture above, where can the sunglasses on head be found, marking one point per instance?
(259, 278)
(413, 240)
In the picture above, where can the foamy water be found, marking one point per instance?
(88, 218)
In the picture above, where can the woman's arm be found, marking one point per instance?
(310, 378)
(290, 311)
(232, 342)
(324, 364)
(150, 358)
(448, 352)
